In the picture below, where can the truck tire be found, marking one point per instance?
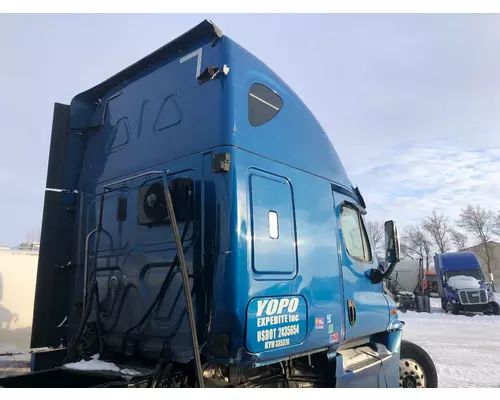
(451, 308)
(427, 304)
(493, 309)
(416, 368)
(420, 303)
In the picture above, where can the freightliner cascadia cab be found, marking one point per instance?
(200, 229)
(462, 285)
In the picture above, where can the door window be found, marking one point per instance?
(354, 233)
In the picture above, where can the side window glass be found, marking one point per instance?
(366, 240)
(355, 238)
(263, 104)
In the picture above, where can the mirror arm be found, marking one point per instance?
(376, 275)
(389, 270)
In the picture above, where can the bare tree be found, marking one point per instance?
(481, 223)
(415, 244)
(458, 239)
(376, 230)
(438, 227)
(496, 228)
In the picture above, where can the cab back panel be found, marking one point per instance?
(162, 116)
(133, 261)
(162, 119)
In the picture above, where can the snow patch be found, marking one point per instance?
(127, 371)
(466, 350)
(18, 357)
(94, 364)
(460, 282)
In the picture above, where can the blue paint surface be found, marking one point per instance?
(460, 261)
(272, 258)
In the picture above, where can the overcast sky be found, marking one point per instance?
(410, 102)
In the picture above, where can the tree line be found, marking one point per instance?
(437, 233)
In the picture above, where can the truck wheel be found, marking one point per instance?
(416, 369)
(493, 309)
(451, 308)
(419, 300)
(427, 303)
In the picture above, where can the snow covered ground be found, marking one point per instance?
(14, 364)
(466, 350)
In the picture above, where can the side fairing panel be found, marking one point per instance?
(293, 137)
(56, 266)
(314, 319)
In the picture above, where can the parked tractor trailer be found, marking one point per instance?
(200, 230)
(406, 284)
(462, 285)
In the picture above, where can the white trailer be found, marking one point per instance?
(18, 269)
(406, 285)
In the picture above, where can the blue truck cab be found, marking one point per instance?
(200, 227)
(462, 285)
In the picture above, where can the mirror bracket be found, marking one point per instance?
(375, 275)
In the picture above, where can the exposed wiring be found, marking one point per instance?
(98, 320)
(94, 292)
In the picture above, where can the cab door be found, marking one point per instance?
(365, 305)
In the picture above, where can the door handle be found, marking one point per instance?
(351, 312)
